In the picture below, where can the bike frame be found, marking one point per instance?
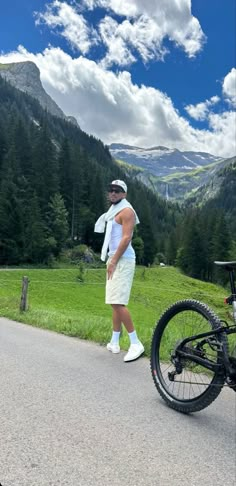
(193, 354)
(187, 357)
(183, 352)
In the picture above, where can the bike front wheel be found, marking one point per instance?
(187, 386)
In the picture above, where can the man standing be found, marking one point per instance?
(120, 221)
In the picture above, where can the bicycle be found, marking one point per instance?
(189, 369)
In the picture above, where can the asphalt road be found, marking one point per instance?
(74, 414)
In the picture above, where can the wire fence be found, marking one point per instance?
(90, 298)
(77, 307)
(102, 284)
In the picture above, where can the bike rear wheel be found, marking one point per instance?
(194, 387)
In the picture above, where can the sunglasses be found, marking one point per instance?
(116, 190)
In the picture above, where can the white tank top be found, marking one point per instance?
(116, 235)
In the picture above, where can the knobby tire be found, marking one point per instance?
(184, 319)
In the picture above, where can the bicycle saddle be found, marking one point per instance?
(227, 265)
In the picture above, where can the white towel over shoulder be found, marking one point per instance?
(106, 220)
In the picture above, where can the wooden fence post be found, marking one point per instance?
(24, 292)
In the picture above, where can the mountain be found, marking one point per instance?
(161, 161)
(25, 76)
(173, 174)
(220, 179)
(220, 191)
(53, 186)
(182, 186)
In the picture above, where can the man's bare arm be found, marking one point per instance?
(127, 219)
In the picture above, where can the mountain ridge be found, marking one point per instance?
(25, 76)
(48, 164)
(162, 161)
(173, 174)
(53, 172)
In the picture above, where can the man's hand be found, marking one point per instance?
(126, 218)
(110, 270)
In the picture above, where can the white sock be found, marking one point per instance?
(115, 337)
(133, 338)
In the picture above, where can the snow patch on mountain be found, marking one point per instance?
(162, 161)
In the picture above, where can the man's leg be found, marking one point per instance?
(121, 314)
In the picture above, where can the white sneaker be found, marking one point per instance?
(135, 350)
(114, 348)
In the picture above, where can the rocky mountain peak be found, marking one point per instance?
(171, 173)
(25, 76)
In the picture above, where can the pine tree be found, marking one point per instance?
(38, 246)
(66, 175)
(191, 256)
(138, 246)
(45, 167)
(147, 234)
(57, 222)
(10, 221)
(221, 243)
(23, 149)
(3, 144)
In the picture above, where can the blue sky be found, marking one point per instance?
(142, 72)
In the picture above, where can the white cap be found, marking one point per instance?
(119, 183)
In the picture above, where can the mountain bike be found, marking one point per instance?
(192, 354)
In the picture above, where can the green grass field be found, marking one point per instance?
(59, 301)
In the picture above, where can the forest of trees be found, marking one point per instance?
(53, 180)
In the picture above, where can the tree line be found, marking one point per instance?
(208, 232)
(53, 187)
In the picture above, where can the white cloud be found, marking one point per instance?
(118, 52)
(122, 39)
(148, 23)
(110, 106)
(200, 111)
(73, 27)
(229, 87)
(221, 138)
(119, 7)
(172, 19)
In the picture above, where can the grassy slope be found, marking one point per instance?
(60, 302)
(175, 176)
(5, 66)
(130, 167)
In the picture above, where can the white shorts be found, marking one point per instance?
(119, 287)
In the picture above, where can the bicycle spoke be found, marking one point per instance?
(180, 378)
